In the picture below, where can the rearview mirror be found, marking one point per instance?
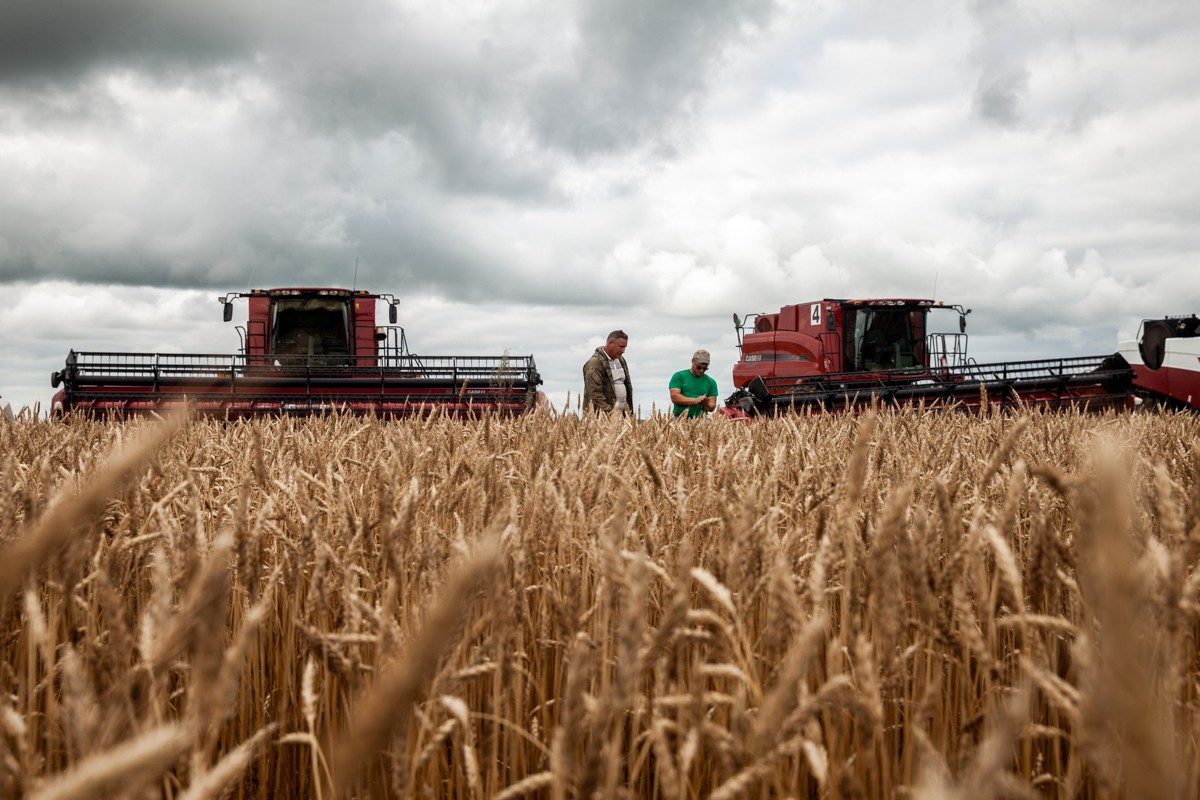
(962, 323)
(228, 312)
(737, 321)
(392, 314)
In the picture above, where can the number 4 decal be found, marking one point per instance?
(814, 316)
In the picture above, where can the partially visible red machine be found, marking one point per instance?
(304, 351)
(1165, 358)
(847, 355)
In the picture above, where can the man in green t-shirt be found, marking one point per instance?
(693, 390)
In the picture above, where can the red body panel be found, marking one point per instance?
(811, 339)
(786, 343)
(1177, 376)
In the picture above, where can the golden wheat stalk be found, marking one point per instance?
(131, 764)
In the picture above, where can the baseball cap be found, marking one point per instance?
(701, 357)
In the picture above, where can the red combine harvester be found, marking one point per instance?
(847, 355)
(304, 351)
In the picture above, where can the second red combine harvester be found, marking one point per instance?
(304, 351)
(847, 355)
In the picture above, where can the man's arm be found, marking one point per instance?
(628, 385)
(711, 403)
(681, 399)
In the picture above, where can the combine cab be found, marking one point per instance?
(304, 351)
(846, 355)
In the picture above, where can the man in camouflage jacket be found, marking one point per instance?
(606, 382)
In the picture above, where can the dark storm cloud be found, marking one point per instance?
(191, 143)
(482, 102)
(500, 110)
(58, 42)
(639, 67)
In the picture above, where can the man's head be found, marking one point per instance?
(615, 344)
(700, 360)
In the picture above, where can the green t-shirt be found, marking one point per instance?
(692, 386)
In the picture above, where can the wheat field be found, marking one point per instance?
(897, 605)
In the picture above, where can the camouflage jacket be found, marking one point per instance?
(599, 394)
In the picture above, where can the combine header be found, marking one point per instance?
(847, 355)
(304, 351)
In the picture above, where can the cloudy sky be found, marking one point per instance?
(528, 174)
